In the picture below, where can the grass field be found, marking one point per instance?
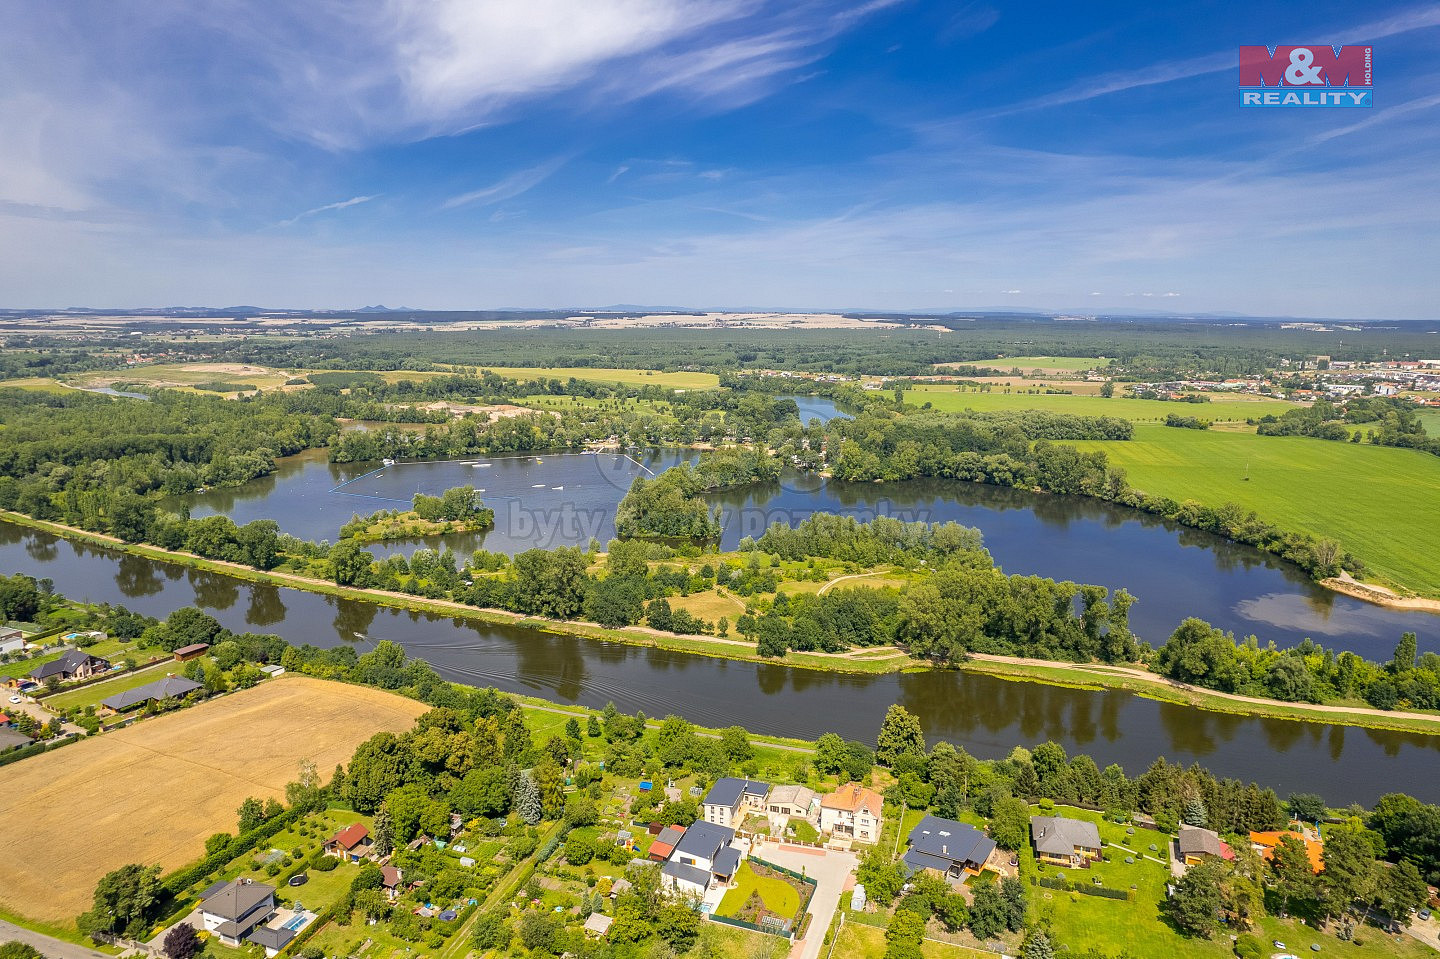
(674, 381)
(1141, 411)
(152, 793)
(857, 941)
(186, 375)
(92, 694)
(1382, 504)
(779, 896)
(40, 384)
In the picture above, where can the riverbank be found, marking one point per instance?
(1379, 595)
(860, 661)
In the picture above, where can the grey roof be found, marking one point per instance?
(704, 839)
(1194, 840)
(212, 889)
(72, 660)
(728, 790)
(941, 843)
(1058, 836)
(726, 862)
(10, 738)
(794, 795)
(692, 874)
(236, 899)
(167, 688)
(271, 938)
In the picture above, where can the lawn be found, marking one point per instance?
(154, 791)
(92, 695)
(1381, 503)
(710, 606)
(597, 374)
(857, 941)
(1230, 409)
(778, 896)
(39, 384)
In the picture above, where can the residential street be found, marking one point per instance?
(50, 948)
(830, 869)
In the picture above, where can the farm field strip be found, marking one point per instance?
(151, 793)
(1231, 409)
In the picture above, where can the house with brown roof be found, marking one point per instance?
(664, 844)
(353, 843)
(852, 812)
(1195, 845)
(75, 664)
(390, 879)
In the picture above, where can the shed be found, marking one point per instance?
(857, 898)
(191, 652)
(598, 924)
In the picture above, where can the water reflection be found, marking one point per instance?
(265, 607)
(137, 577)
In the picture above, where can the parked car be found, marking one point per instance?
(1423, 914)
(15, 699)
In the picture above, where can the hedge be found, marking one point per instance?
(177, 882)
(1067, 886)
(35, 749)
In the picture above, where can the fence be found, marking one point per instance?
(742, 924)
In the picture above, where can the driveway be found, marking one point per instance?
(50, 948)
(832, 871)
(35, 710)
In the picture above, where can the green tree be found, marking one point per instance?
(1012, 890)
(735, 742)
(125, 902)
(527, 799)
(1294, 876)
(592, 727)
(1038, 945)
(384, 843)
(881, 876)
(251, 814)
(1306, 807)
(989, 914)
(19, 950)
(1010, 824)
(904, 935)
(1195, 814)
(572, 728)
(900, 733)
(1195, 905)
(1404, 654)
(1403, 890)
(350, 563)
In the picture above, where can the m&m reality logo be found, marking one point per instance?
(1315, 76)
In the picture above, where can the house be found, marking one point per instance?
(1265, 842)
(730, 798)
(664, 844)
(193, 651)
(391, 878)
(621, 886)
(1195, 845)
(232, 910)
(171, 687)
(1064, 842)
(597, 924)
(793, 802)
(852, 812)
(702, 856)
(352, 843)
(75, 664)
(946, 847)
(12, 738)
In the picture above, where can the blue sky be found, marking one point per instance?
(886, 154)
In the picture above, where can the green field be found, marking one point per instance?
(40, 384)
(1141, 411)
(1382, 504)
(92, 695)
(597, 374)
(1431, 419)
(779, 896)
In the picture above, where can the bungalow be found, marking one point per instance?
(12, 738)
(353, 843)
(724, 804)
(170, 687)
(664, 844)
(946, 847)
(793, 802)
(75, 664)
(1064, 842)
(1265, 842)
(852, 812)
(233, 909)
(1195, 845)
(702, 856)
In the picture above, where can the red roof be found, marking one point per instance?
(350, 837)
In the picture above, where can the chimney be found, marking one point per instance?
(945, 849)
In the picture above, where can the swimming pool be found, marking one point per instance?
(296, 923)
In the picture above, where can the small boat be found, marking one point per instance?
(557, 487)
(387, 461)
(476, 466)
(538, 486)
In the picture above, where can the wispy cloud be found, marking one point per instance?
(522, 181)
(341, 205)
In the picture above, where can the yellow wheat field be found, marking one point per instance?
(153, 792)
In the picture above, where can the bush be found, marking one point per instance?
(325, 864)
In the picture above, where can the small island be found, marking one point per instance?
(457, 510)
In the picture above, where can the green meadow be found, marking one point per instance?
(1140, 411)
(1382, 504)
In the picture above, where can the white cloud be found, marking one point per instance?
(521, 181)
(341, 205)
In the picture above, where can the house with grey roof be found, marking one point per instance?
(946, 847)
(792, 802)
(702, 856)
(232, 911)
(171, 687)
(1065, 842)
(75, 664)
(729, 799)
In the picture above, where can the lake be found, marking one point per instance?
(988, 716)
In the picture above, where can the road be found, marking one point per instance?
(50, 947)
(831, 870)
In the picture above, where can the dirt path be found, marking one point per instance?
(840, 579)
(1147, 676)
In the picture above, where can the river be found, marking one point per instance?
(987, 716)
